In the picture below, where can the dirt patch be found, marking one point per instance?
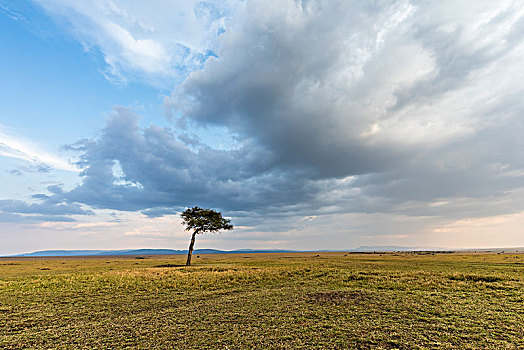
(337, 297)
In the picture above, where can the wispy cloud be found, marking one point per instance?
(21, 148)
(10, 13)
(84, 226)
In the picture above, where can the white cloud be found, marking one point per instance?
(159, 42)
(147, 231)
(88, 225)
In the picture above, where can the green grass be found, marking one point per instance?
(275, 301)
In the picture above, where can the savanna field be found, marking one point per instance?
(264, 301)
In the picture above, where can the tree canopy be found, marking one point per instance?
(204, 220)
(201, 221)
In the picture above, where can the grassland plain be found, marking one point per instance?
(264, 301)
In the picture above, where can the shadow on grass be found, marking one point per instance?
(475, 278)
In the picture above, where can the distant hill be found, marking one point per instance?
(217, 251)
(146, 252)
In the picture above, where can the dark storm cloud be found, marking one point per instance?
(415, 103)
(130, 168)
(282, 83)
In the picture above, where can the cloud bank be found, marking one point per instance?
(401, 108)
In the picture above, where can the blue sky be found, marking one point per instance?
(44, 65)
(313, 125)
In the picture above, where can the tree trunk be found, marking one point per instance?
(190, 251)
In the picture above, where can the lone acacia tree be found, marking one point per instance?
(201, 221)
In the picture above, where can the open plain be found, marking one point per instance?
(275, 301)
